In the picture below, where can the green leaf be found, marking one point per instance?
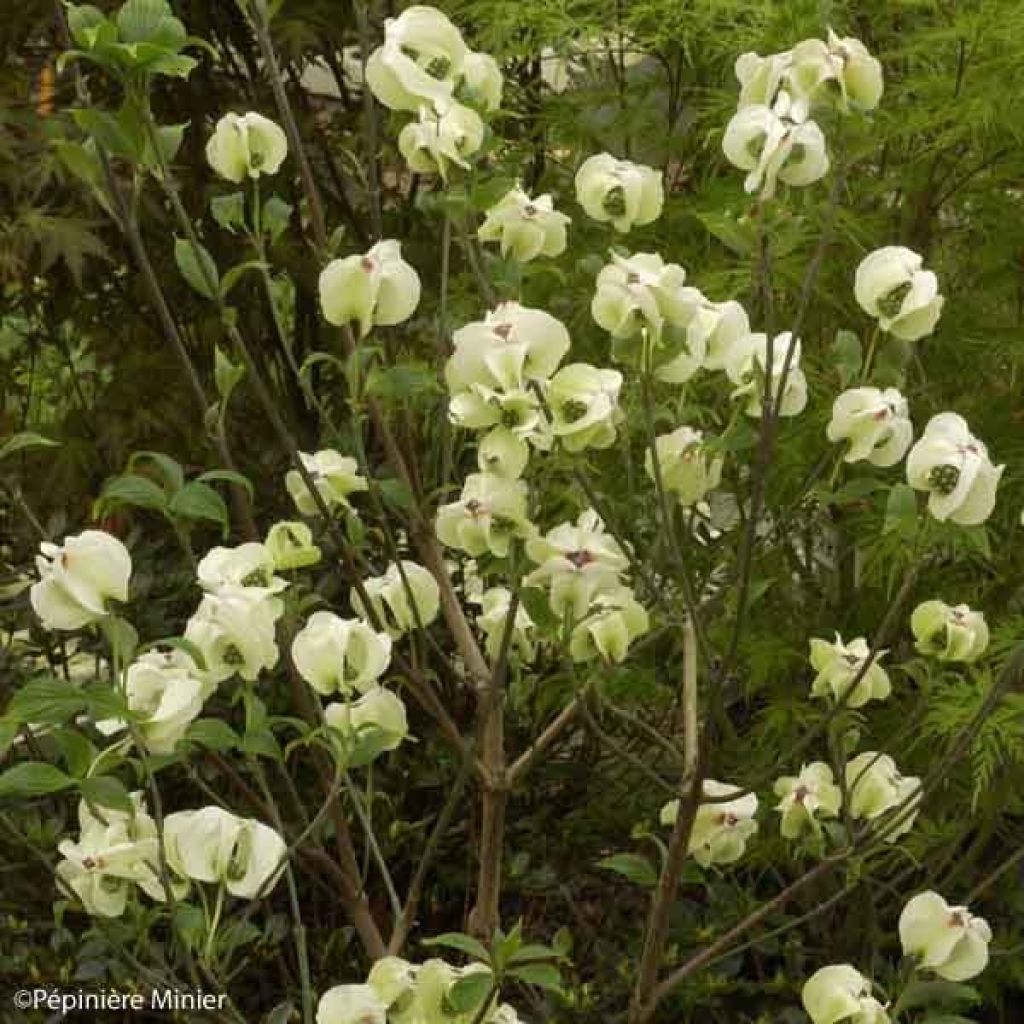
(103, 701)
(24, 440)
(77, 751)
(276, 216)
(150, 21)
(405, 381)
(170, 469)
(169, 138)
(197, 500)
(633, 866)
(83, 22)
(280, 1014)
(197, 267)
(229, 211)
(936, 993)
(237, 272)
(122, 638)
(33, 778)
(544, 976)
(106, 791)
(462, 942)
(538, 607)
(226, 374)
(46, 701)
(900, 509)
(469, 992)
(228, 476)
(134, 491)
(848, 356)
(213, 733)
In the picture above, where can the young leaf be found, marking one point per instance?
(462, 942)
(200, 501)
(106, 791)
(197, 267)
(632, 866)
(20, 442)
(33, 778)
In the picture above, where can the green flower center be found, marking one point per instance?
(615, 201)
(232, 656)
(890, 304)
(256, 578)
(573, 409)
(944, 479)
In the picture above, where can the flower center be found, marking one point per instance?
(891, 303)
(580, 558)
(615, 201)
(573, 409)
(944, 479)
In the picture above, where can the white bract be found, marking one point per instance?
(613, 621)
(953, 467)
(375, 289)
(948, 940)
(495, 605)
(336, 655)
(838, 664)
(441, 138)
(77, 580)
(235, 631)
(747, 369)
(720, 829)
(840, 994)
(420, 61)
(335, 477)
(806, 798)
(402, 599)
(489, 514)
(949, 632)
(482, 81)
(246, 146)
(213, 845)
(503, 452)
(167, 690)
(291, 546)
(891, 286)
(351, 1004)
(617, 191)
(775, 143)
(525, 227)
(721, 326)
(249, 565)
(685, 466)
(875, 424)
(111, 857)
(372, 724)
(576, 561)
(876, 787)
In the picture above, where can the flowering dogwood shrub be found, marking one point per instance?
(512, 503)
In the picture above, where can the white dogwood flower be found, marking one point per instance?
(772, 147)
(336, 655)
(215, 846)
(525, 227)
(875, 423)
(78, 579)
(840, 994)
(721, 828)
(248, 565)
(374, 723)
(953, 467)
(482, 81)
(377, 288)
(948, 940)
(806, 798)
(838, 664)
(610, 625)
(746, 368)
(235, 631)
(402, 600)
(584, 404)
(490, 513)
(291, 546)
(949, 632)
(246, 146)
(441, 138)
(620, 192)
(891, 287)
(420, 61)
(335, 477)
(503, 452)
(876, 787)
(686, 467)
(351, 1004)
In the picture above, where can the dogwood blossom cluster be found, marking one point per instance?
(942, 940)
(118, 850)
(619, 192)
(399, 992)
(848, 672)
(582, 567)
(425, 68)
(772, 135)
(891, 287)
(525, 228)
(949, 632)
(874, 423)
(722, 826)
(334, 476)
(246, 146)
